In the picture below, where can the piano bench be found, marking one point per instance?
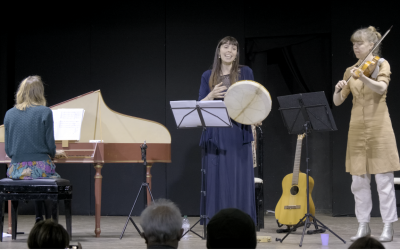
(49, 190)
(258, 184)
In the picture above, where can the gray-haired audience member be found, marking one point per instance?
(231, 228)
(366, 242)
(162, 224)
(48, 234)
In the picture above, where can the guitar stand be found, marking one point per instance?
(307, 225)
(280, 231)
(288, 228)
(129, 216)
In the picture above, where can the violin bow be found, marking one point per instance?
(372, 50)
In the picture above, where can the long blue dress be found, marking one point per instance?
(228, 161)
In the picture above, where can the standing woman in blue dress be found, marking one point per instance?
(228, 152)
(29, 136)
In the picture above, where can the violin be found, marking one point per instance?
(367, 68)
(364, 66)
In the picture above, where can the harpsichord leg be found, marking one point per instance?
(97, 196)
(148, 180)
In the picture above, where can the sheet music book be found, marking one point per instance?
(186, 115)
(67, 124)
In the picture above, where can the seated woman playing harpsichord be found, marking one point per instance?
(29, 135)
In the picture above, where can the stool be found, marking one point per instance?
(52, 190)
(258, 184)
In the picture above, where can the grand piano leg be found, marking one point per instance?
(97, 196)
(148, 180)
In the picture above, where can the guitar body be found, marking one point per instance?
(292, 205)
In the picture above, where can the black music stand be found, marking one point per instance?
(304, 113)
(203, 114)
(143, 149)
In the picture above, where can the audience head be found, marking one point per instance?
(30, 93)
(366, 242)
(231, 228)
(162, 223)
(48, 234)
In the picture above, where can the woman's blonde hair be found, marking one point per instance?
(369, 34)
(30, 93)
(216, 68)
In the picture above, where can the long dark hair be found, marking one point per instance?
(216, 68)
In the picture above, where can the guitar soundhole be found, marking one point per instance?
(294, 190)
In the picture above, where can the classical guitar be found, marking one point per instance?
(292, 205)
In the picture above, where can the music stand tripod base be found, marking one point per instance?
(203, 217)
(130, 214)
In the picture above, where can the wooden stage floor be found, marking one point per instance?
(83, 232)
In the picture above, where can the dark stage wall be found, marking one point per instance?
(140, 62)
(271, 68)
(145, 55)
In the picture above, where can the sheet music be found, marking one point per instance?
(182, 108)
(67, 124)
(213, 112)
(207, 104)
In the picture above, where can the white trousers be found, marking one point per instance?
(361, 188)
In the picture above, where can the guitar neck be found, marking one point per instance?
(297, 158)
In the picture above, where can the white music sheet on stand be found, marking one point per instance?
(216, 112)
(217, 116)
(67, 124)
(182, 108)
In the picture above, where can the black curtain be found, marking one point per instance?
(7, 77)
(289, 65)
(307, 57)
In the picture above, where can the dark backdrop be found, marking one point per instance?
(290, 65)
(142, 56)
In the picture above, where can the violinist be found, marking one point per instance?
(371, 144)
